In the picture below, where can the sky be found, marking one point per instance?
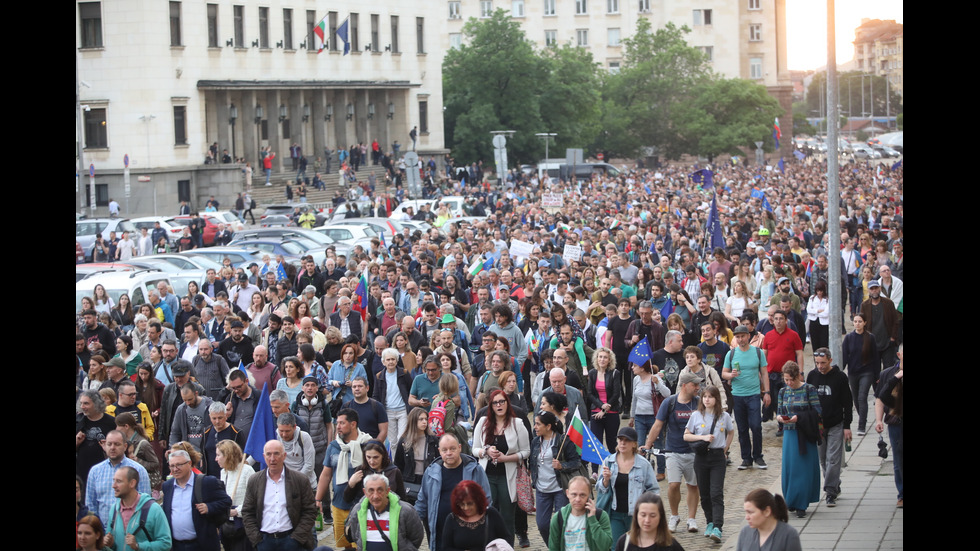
(806, 21)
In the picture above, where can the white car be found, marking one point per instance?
(173, 228)
(136, 284)
(454, 202)
(232, 222)
(347, 233)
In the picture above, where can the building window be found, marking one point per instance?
(551, 38)
(375, 31)
(420, 34)
(96, 135)
(614, 67)
(180, 125)
(755, 4)
(355, 44)
(332, 39)
(702, 17)
(486, 8)
(581, 7)
(613, 37)
(582, 37)
(454, 10)
(755, 32)
(394, 34)
(101, 195)
(90, 14)
(455, 40)
(175, 24)
(311, 22)
(644, 6)
(184, 190)
(212, 25)
(264, 129)
(263, 27)
(239, 26)
(709, 52)
(755, 68)
(423, 116)
(287, 29)
(612, 6)
(517, 8)
(549, 7)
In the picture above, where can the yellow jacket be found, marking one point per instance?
(145, 418)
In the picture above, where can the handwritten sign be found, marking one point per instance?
(521, 248)
(552, 200)
(573, 253)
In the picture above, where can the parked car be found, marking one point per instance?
(184, 262)
(210, 227)
(86, 230)
(273, 233)
(135, 283)
(174, 230)
(240, 257)
(454, 202)
(83, 271)
(292, 248)
(347, 233)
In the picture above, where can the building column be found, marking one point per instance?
(249, 146)
(271, 109)
(223, 135)
(360, 117)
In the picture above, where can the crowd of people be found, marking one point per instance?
(428, 386)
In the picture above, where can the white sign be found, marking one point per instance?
(521, 248)
(552, 200)
(573, 253)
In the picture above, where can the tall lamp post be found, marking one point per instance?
(547, 137)
(232, 118)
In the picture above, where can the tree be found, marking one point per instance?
(849, 87)
(492, 82)
(900, 121)
(727, 115)
(660, 71)
(801, 126)
(572, 98)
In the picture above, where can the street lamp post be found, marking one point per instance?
(547, 137)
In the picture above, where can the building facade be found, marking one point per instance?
(742, 38)
(159, 82)
(879, 50)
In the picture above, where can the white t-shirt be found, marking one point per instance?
(575, 533)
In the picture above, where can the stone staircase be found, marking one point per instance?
(276, 193)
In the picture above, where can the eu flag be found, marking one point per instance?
(705, 177)
(714, 226)
(782, 165)
(897, 165)
(667, 310)
(281, 272)
(799, 154)
(342, 34)
(640, 354)
(757, 193)
(263, 428)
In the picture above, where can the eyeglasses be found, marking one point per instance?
(498, 402)
(178, 465)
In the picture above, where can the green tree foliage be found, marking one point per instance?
(849, 86)
(726, 115)
(497, 80)
(660, 72)
(802, 127)
(900, 120)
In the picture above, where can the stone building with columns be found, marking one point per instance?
(159, 82)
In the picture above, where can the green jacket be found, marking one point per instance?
(598, 533)
(404, 525)
(155, 534)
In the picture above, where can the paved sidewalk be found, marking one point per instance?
(865, 517)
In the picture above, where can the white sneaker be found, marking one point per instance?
(692, 525)
(674, 521)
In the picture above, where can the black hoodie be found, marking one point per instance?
(835, 396)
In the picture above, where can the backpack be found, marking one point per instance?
(437, 418)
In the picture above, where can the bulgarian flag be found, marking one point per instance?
(776, 132)
(589, 446)
(319, 35)
(477, 266)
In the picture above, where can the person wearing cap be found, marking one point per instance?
(237, 347)
(624, 476)
(883, 321)
(785, 290)
(745, 368)
(673, 416)
(115, 369)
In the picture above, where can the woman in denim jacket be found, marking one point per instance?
(624, 477)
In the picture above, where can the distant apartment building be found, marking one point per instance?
(878, 49)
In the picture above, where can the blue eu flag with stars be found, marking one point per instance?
(641, 352)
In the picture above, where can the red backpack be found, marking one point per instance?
(437, 418)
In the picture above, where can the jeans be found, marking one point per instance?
(896, 433)
(860, 386)
(710, 471)
(643, 424)
(547, 505)
(620, 524)
(397, 420)
(832, 459)
(775, 384)
(269, 543)
(748, 417)
(268, 175)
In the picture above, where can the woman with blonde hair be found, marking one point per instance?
(236, 475)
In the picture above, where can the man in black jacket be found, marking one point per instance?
(835, 404)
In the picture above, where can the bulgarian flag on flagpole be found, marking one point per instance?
(319, 35)
(477, 266)
(589, 446)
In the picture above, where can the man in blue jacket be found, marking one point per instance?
(195, 506)
(438, 483)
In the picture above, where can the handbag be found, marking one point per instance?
(525, 494)
(700, 447)
(233, 528)
(412, 492)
